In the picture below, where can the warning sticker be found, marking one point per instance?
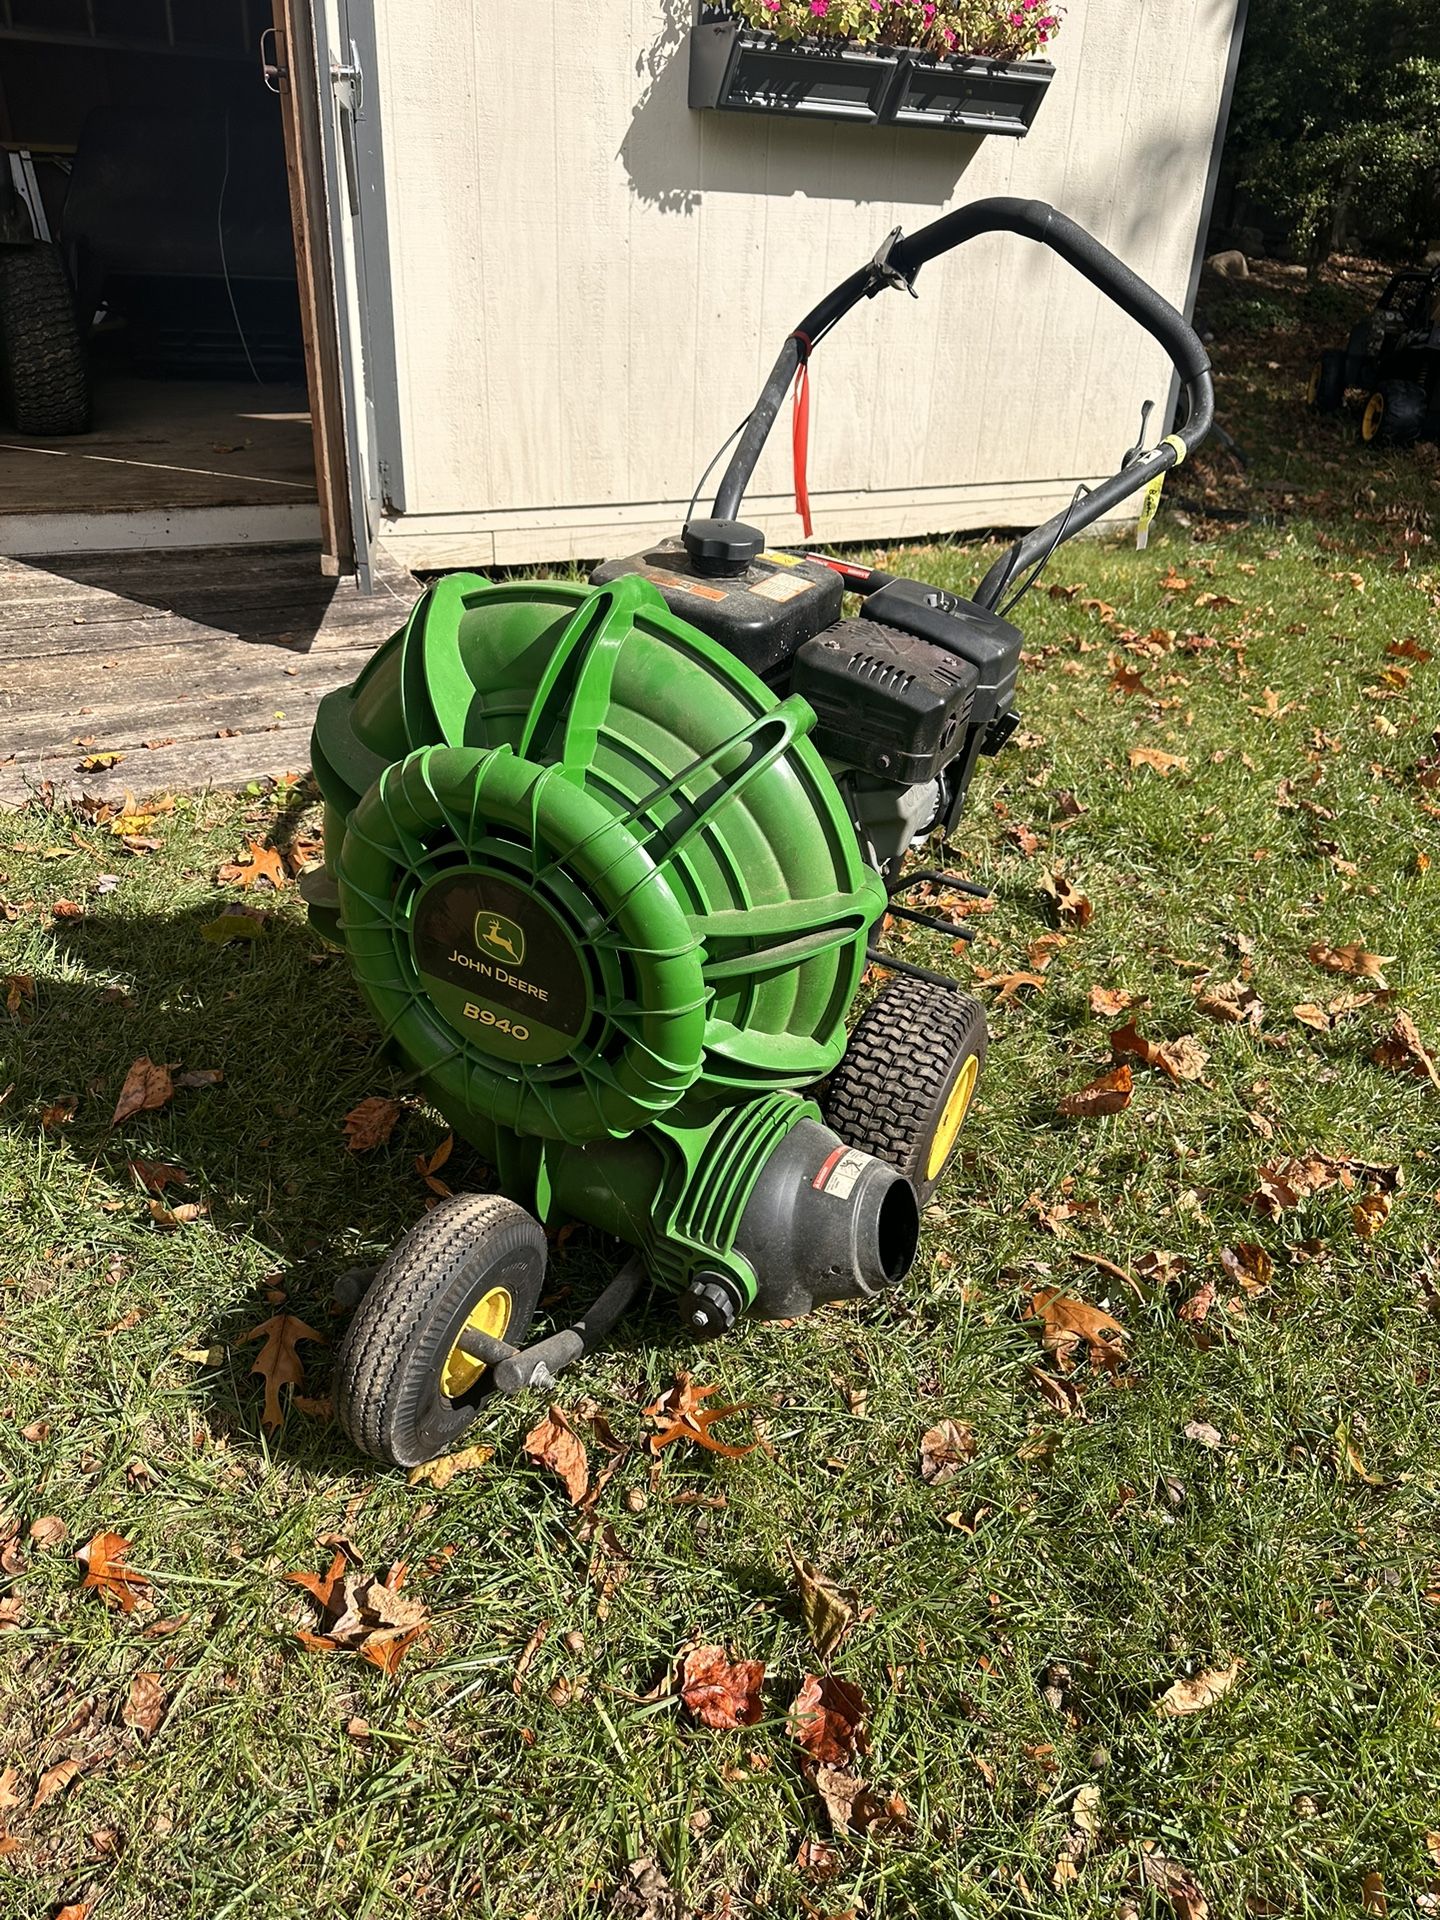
(662, 578)
(838, 1174)
(782, 586)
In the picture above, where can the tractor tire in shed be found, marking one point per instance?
(44, 388)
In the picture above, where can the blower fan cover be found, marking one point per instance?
(585, 864)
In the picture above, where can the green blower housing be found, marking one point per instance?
(607, 860)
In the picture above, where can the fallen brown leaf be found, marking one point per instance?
(1352, 959)
(54, 1780)
(1370, 1213)
(371, 1123)
(1402, 1051)
(1234, 1001)
(362, 1614)
(1174, 1883)
(156, 1175)
(1009, 984)
(945, 1449)
(181, 1216)
(1108, 1003)
(851, 1804)
(1373, 1898)
(48, 1531)
(721, 1693)
(147, 1086)
(1110, 1093)
(1183, 1058)
(428, 1165)
(827, 1718)
(1070, 904)
(258, 866)
(59, 1113)
(1201, 1690)
(278, 1362)
(678, 1415)
(1248, 1265)
(145, 1704)
(1157, 759)
(103, 1559)
(1065, 1322)
(555, 1445)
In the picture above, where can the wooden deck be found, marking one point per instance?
(199, 666)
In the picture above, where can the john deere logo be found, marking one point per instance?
(502, 939)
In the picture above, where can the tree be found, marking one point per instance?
(1336, 121)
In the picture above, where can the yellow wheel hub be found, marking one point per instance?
(1312, 391)
(942, 1143)
(1374, 413)
(490, 1315)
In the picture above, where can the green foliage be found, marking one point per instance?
(1000, 29)
(1336, 122)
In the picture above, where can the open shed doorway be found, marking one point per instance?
(147, 141)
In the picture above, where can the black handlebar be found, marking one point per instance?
(897, 264)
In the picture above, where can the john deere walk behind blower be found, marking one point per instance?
(608, 860)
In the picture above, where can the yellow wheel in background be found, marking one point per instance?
(1373, 418)
(953, 1117)
(1312, 387)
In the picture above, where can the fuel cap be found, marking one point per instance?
(722, 547)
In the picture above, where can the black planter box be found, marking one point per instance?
(740, 69)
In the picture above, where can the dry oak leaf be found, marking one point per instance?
(1201, 1690)
(1403, 1051)
(721, 1693)
(830, 1610)
(182, 1216)
(1373, 1898)
(1172, 582)
(156, 1175)
(1108, 1003)
(1070, 904)
(678, 1415)
(278, 1363)
(1183, 1058)
(362, 1614)
(1110, 1093)
(1174, 1883)
(48, 1531)
(1233, 1001)
(78, 1909)
(145, 1705)
(851, 1803)
(428, 1165)
(555, 1445)
(56, 1779)
(1157, 759)
(59, 1113)
(257, 866)
(1009, 984)
(827, 1718)
(945, 1449)
(1066, 1322)
(147, 1086)
(371, 1123)
(1248, 1265)
(1352, 959)
(103, 1559)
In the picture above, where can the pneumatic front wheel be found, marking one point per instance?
(1394, 414)
(1326, 390)
(908, 1077)
(405, 1388)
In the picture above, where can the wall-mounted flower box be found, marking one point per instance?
(743, 69)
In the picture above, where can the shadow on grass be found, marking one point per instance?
(264, 1150)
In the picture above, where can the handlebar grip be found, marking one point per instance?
(1035, 220)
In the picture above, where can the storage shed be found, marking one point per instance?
(541, 272)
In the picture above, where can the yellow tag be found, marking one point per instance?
(1149, 507)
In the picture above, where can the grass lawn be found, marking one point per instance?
(1257, 1485)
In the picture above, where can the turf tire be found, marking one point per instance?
(906, 1054)
(1402, 414)
(43, 383)
(389, 1399)
(1327, 383)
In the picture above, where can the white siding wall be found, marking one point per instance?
(591, 280)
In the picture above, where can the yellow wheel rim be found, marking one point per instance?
(942, 1144)
(490, 1314)
(1312, 391)
(1373, 415)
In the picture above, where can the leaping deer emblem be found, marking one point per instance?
(495, 936)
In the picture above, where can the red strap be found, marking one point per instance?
(800, 433)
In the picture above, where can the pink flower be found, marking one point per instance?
(949, 36)
(819, 6)
(1017, 19)
(928, 11)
